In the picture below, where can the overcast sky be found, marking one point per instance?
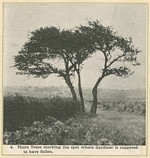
(129, 20)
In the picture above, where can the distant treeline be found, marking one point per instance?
(103, 94)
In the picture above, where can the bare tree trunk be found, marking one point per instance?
(71, 87)
(94, 93)
(94, 105)
(80, 92)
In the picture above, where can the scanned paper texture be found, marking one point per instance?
(75, 79)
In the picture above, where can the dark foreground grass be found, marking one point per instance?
(107, 127)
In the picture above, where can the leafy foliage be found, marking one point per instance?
(73, 47)
(20, 111)
(118, 53)
(41, 45)
(70, 132)
(114, 48)
(49, 43)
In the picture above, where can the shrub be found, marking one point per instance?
(70, 132)
(23, 111)
(136, 107)
(40, 133)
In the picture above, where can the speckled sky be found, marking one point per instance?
(129, 20)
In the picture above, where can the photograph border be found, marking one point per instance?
(78, 1)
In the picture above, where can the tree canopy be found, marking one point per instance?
(48, 44)
(117, 51)
(72, 48)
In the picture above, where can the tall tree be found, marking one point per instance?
(118, 52)
(80, 49)
(37, 56)
(48, 44)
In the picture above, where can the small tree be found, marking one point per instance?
(117, 52)
(37, 56)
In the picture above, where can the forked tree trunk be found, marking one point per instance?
(94, 94)
(80, 92)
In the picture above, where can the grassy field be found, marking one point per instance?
(118, 128)
(116, 122)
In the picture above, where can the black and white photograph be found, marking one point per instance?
(74, 74)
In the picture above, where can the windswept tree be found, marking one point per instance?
(39, 54)
(79, 48)
(49, 45)
(118, 52)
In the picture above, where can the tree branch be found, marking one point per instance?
(121, 71)
(120, 56)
